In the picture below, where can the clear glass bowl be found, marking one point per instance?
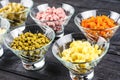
(4, 24)
(68, 9)
(16, 18)
(94, 34)
(31, 59)
(78, 70)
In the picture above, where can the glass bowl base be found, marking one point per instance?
(82, 77)
(1, 50)
(60, 34)
(34, 66)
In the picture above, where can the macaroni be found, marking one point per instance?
(81, 51)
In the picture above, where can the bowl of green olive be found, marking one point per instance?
(30, 43)
(15, 11)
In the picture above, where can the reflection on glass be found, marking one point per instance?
(55, 16)
(31, 59)
(94, 33)
(78, 70)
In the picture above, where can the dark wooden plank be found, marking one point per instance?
(9, 76)
(54, 70)
(107, 69)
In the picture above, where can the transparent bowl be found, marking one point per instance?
(94, 34)
(4, 24)
(31, 59)
(59, 24)
(16, 18)
(78, 70)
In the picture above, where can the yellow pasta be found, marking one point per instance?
(81, 51)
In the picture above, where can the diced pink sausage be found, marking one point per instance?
(54, 17)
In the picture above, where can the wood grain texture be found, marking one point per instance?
(108, 69)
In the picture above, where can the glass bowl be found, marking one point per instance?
(78, 70)
(31, 59)
(4, 27)
(56, 24)
(93, 34)
(16, 14)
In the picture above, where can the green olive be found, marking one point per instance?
(14, 12)
(30, 41)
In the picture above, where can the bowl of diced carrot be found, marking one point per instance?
(98, 23)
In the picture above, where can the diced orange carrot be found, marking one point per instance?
(100, 23)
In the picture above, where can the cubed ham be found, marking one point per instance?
(54, 17)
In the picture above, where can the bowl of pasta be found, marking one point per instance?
(15, 11)
(79, 55)
(98, 23)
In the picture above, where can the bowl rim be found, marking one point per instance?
(23, 27)
(67, 17)
(26, 10)
(79, 26)
(97, 59)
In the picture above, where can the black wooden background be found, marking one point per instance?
(108, 69)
